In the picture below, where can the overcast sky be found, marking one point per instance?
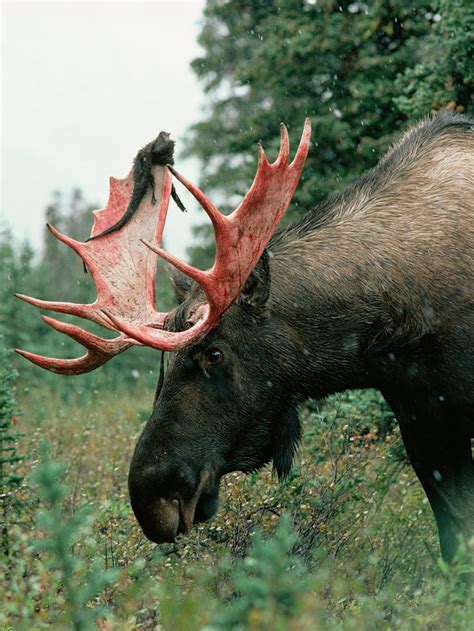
(84, 86)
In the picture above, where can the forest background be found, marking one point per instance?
(363, 72)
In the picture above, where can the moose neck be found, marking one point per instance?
(329, 294)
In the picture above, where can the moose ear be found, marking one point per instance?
(286, 436)
(257, 288)
(181, 283)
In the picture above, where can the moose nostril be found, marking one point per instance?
(173, 502)
(161, 522)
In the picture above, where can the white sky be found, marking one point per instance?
(84, 86)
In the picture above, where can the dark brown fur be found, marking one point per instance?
(374, 288)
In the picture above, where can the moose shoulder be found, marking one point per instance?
(372, 288)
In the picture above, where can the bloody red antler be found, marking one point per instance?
(240, 241)
(123, 271)
(99, 350)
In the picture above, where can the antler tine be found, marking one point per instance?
(273, 188)
(88, 362)
(88, 340)
(219, 221)
(302, 152)
(87, 311)
(262, 158)
(72, 243)
(99, 350)
(194, 273)
(284, 152)
(70, 308)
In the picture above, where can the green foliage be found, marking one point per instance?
(268, 584)
(361, 551)
(15, 265)
(360, 71)
(271, 589)
(444, 75)
(10, 479)
(79, 585)
(8, 436)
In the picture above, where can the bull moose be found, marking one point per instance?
(374, 287)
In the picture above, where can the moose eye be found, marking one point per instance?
(214, 356)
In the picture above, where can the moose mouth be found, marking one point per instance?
(166, 519)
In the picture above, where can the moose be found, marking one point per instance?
(373, 288)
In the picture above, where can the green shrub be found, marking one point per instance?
(10, 479)
(77, 584)
(267, 585)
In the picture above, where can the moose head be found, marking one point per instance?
(223, 405)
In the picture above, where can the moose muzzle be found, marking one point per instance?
(167, 504)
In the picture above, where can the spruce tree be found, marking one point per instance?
(10, 478)
(347, 65)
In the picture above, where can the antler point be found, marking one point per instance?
(151, 246)
(262, 158)
(24, 297)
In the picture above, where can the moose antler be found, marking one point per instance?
(241, 239)
(124, 270)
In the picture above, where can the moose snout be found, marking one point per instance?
(161, 522)
(167, 502)
(158, 516)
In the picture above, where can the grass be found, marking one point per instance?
(359, 540)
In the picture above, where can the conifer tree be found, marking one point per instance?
(361, 71)
(444, 74)
(10, 479)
